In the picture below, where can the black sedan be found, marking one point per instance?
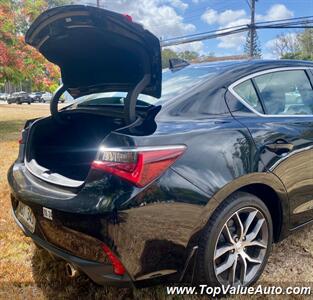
(19, 98)
(184, 175)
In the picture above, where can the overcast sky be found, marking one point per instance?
(171, 18)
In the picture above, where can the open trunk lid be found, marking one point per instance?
(98, 50)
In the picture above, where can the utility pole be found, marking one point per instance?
(252, 27)
(98, 3)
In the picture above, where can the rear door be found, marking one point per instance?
(282, 128)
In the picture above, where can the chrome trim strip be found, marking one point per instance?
(141, 149)
(231, 90)
(283, 158)
(66, 182)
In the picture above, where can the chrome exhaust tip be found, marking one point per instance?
(71, 271)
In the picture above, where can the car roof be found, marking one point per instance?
(230, 71)
(252, 64)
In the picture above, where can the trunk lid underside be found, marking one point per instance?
(97, 50)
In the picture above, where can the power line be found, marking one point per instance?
(265, 23)
(303, 22)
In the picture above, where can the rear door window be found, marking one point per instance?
(246, 91)
(285, 92)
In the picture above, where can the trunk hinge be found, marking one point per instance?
(54, 102)
(131, 99)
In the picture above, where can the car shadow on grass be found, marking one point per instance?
(49, 275)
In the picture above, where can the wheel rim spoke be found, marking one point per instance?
(249, 220)
(221, 251)
(228, 235)
(260, 244)
(253, 234)
(232, 273)
(239, 223)
(246, 257)
(243, 269)
(226, 265)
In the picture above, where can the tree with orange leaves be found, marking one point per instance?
(18, 61)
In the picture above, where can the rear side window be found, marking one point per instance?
(286, 92)
(247, 92)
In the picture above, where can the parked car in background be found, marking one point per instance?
(19, 98)
(4, 96)
(46, 97)
(36, 96)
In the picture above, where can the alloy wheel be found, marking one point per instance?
(241, 247)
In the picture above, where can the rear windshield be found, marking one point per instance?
(174, 83)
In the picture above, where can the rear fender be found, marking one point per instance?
(266, 179)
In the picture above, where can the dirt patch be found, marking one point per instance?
(27, 272)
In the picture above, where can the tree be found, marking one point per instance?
(256, 49)
(18, 61)
(306, 42)
(188, 55)
(167, 54)
(285, 43)
(294, 45)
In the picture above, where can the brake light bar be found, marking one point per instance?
(139, 165)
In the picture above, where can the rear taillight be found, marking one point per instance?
(137, 165)
(118, 268)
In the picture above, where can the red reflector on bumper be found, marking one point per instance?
(118, 268)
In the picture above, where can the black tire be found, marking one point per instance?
(212, 236)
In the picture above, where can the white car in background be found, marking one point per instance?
(4, 96)
(46, 97)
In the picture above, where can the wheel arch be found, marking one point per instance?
(268, 195)
(265, 186)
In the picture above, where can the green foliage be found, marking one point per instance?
(54, 3)
(304, 50)
(167, 54)
(188, 55)
(298, 56)
(256, 49)
(306, 42)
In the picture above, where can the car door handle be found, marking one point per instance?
(280, 147)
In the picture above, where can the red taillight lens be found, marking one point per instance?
(139, 165)
(118, 268)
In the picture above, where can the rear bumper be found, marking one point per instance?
(100, 273)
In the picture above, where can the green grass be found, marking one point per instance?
(10, 130)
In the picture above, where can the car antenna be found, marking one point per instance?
(177, 63)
